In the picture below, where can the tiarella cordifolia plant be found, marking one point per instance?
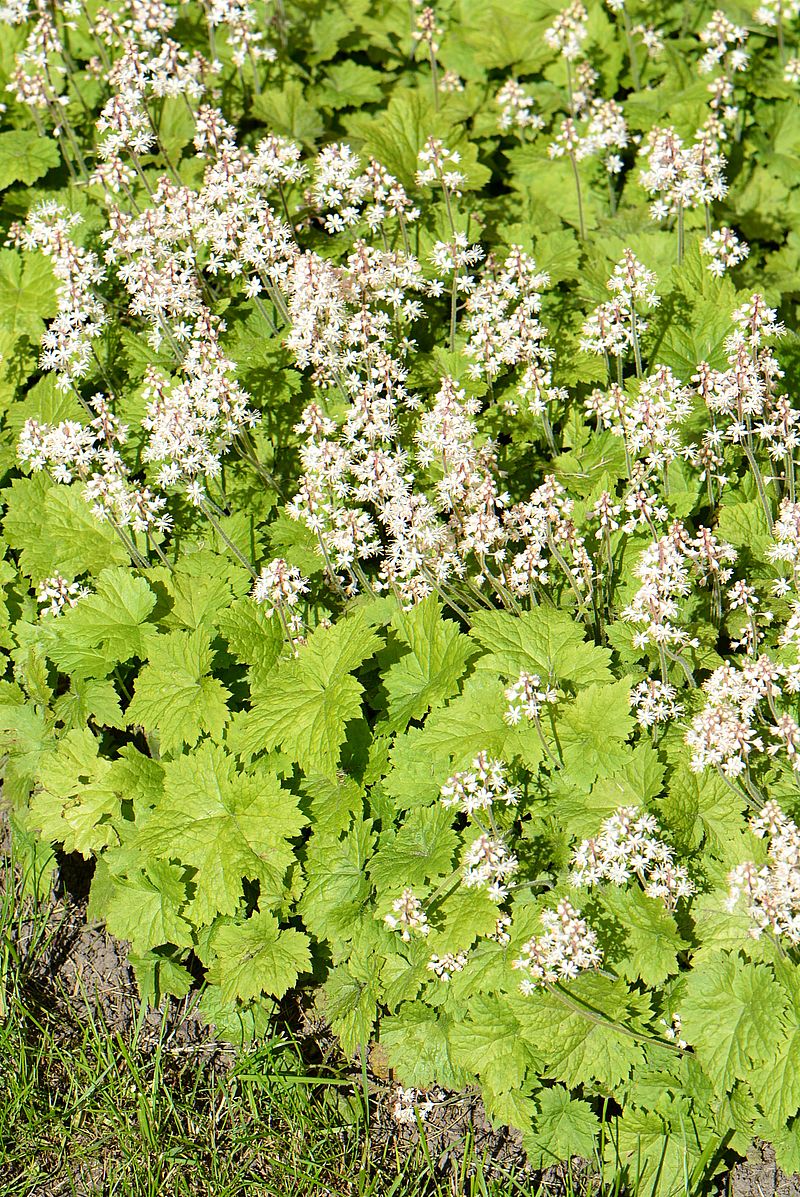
(401, 546)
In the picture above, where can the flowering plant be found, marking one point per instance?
(401, 576)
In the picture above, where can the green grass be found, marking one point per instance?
(86, 1110)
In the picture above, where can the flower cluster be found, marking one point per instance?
(55, 593)
(279, 587)
(655, 702)
(526, 697)
(567, 947)
(407, 916)
(771, 893)
(680, 176)
(479, 788)
(628, 846)
(409, 1105)
(724, 249)
(445, 967)
(90, 453)
(568, 31)
(489, 864)
(516, 106)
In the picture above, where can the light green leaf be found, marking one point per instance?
(592, 731)
(351, 997)
(652, 941)
(565, 1127)
(175, 694)
(337, 890)
(654, 1157)
(234, 1021)
(53, 528)
(158, 976)
(488, 1042)
(733, 1016)
(226, 825)
(201, 588)
(256, 957)
(631, 777)
(397, 134)
(27, 292)
(112, 619)
(144, 907)
(25, 156)
(543, 641)
(286, 111)
(349, 84)
(87, 699)
(577, 1049)
(421, 850)
(418, 1043)
(253, 637)
(776, 1085)
(305, 706)
(75, 805)
(429, 672)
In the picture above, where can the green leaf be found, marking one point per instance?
(144, 907)
(158, 976)
(90, 699)
(348, 84)
(200, 587)
(53, 528)
(653, 1156)
(467, 914)
(421, 850)
(112, 619)
(176, 126)
(351, 997)
(634, 778)
(565, 1127)
(337, 890)
(652, 941)
(286, 111)
(488, 1042)
(507, 34)
(75, 805)
(256, 957)
(733, 1015)
(234, 1021)
(175, 694)
(306, 704)
(27, 292)
(396, 135)
(744, 525)
(226, 825)
(25, 156)
(139, 778)
(592, 731)
(776, 1085)
(418, 1043)
(468, 724)
(254, 638)
(429, 672)
(543, 641)
(26, 737)
(581, 1049)
(699, 808)
(786, 1141)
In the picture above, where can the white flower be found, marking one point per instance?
(567, 948)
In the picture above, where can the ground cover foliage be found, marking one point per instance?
(401, 542)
